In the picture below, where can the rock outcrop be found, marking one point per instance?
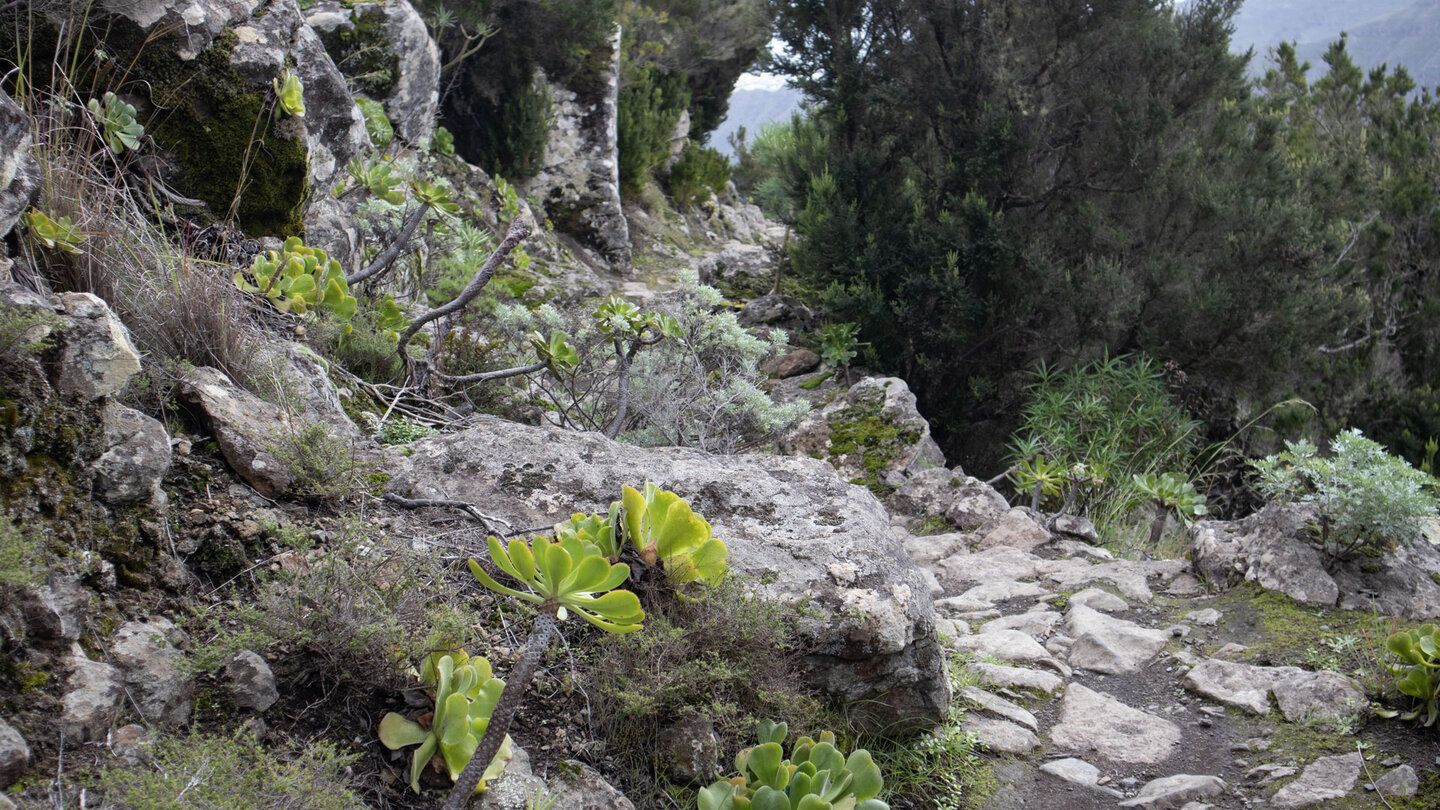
(790, 523)
(19, 171)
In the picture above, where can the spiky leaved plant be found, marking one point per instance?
(561, 577)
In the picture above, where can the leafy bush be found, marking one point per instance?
(324, 468)
(202, 771)
(699, 174)
(117, 123)
(815, 777)
(1368, 499)
(648, 109)
(1169, 492)
(1096, 426)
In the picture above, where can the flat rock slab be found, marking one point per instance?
(1093, 723)
(1403, 781)
(1097, 599)
(1110, 645)
(964, 570)
(1324, 779)
(1001, 736)
(1006, 589)
(1174, 792)
(1015, 529)
(1015, 677)
(1209, 617)
(1013, 646)
(1036, 623)
(996, 705)
(1302, 695)
(788, 522)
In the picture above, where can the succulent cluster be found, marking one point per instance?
(297, 279)
(662, 527)
(465, 696)
(815, 777)
(564, 576)
(1418, 676)
(54, 234)
(117, 123)
(290, 93)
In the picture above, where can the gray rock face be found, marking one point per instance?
(1301, 695)
(246, 427)
(1403, 781)
(579, 178)
(251, 681)
(1077, 527)
(1400, 583)
(19, 171)
(1267, 548)
(97, 357)
(791, 364)
(967, 502)
(1110, 645)
(790, 519)
(306, 379)
(396, 38)
(136, 458)
(738, 264)
(1096, 599)
(573, 786)
(14, 754)
(777, 310)
(692, 750)
(1017, 529)
(1174, 792)
(55, 614)
(92, 698)
(1092, 723)
(871, 430)
(1325, 778)
(148, 659)
(1000, 707)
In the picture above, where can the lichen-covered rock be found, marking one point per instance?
(97, 358)
(136, 458)
(787, 522)
(251, 681)
(305, 378)
(1268, 548)
(55, 612)
(1273, 549)
(691, 750)
(870, 434)
(793, 363)
(92, 698)
(19, 171)
(739, 266)
(579, 178)
(149, 659)
(247, 428)
(572, 786)
(386, 52)
(967, 502)
(14, 754)
(779, 311)
(210, 66)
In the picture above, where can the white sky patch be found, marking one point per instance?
(759, 81)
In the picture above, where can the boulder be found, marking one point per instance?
(14, 754)
(1403, 781)
(55, 613)
(868, 433)
(692, 750)
(96, 356)
(1077, 527)
(1016, 528)
(1269, 548)
(1175, 792)
(1110, 645)
(136, 458)
(571, 786)
(779, 311)
(150, 662)
(1001, 736)
(1302, 696)
(1093, 723)
(787, 521)
(1405, 582)
(93, 693)
(966, 502)
(791, 364)
(304, 377)
(750, 268)
(1324, 779)
(1096, 599)
(386, 52)
(251, 681)
(19, 171)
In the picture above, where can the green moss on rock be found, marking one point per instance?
(865, 429)
(226, 135)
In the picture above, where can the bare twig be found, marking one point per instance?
(1371, 779)
(488, 521)
(1012, 468)
(467, 379)
(388, 256)
(517, 234)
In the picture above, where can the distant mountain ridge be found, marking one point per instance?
(1393, 32)
(751, 108)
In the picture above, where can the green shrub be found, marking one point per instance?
(699, 174)
(377, 123)
(205, 771)
(325, 469)
(1368, 499)
(1095, 427)
(403, 431)
(648, 110)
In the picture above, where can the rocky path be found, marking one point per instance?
(1108, 683)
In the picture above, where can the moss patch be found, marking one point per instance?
(226, 135)
(865, 429)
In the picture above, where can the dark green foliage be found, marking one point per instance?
(699, 174)
(650, 105)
